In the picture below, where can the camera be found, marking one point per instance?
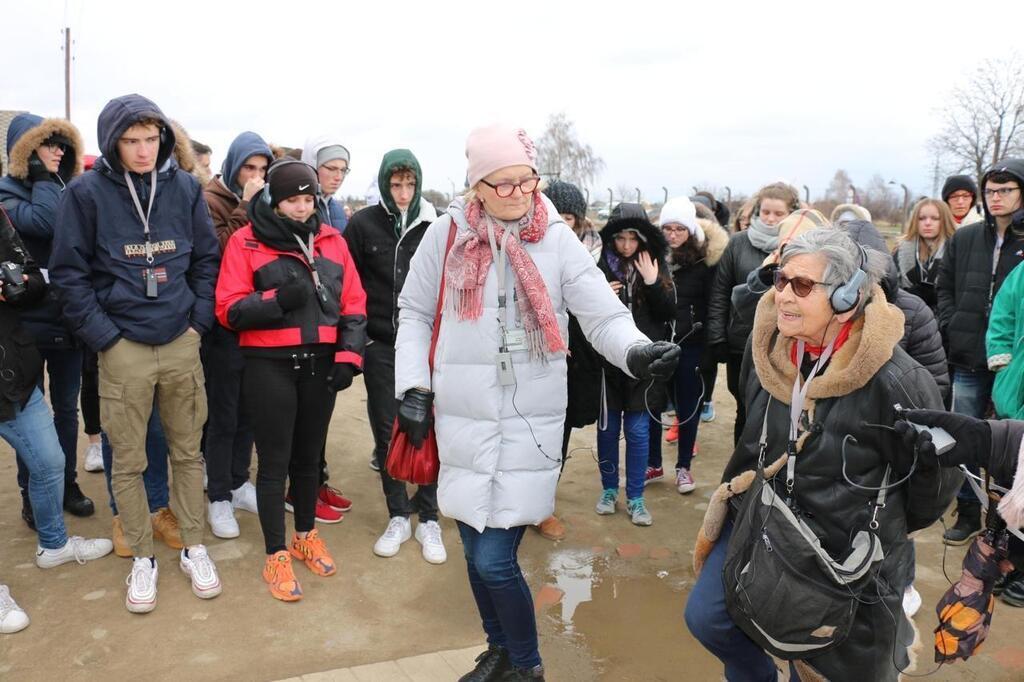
(12, 279)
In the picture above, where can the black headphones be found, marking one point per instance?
(265, 195)
(844, 297)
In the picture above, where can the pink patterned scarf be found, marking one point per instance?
(470, 259)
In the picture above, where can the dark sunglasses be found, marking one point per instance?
(801, 285)
(505, 189)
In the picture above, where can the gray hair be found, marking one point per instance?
(842, 258)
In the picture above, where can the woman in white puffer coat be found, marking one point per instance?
(499, 372)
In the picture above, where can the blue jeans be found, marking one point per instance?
(32, 434)
(687, 386)
(64, 367)
(637, 446)
(155, 476)
(972, 392)
(709, 621)
(502, 595)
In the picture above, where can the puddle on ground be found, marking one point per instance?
(574, 575)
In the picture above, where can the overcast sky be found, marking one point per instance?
(726, 93)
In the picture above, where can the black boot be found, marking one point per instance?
(968, 523)
(76, 503)
(26, 511)
(1013, 589)
(514, 674)
(1001, 583)
(489, 665)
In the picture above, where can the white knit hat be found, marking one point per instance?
(681, 210)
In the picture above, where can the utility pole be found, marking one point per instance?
(67, 72)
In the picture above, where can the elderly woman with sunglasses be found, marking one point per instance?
(510, 269)
(822, 375)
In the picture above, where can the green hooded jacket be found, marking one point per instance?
(399, 158)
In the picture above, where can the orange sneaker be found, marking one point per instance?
(313, 552)
(280, 578)
(672, 434)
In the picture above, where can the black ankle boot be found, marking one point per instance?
(968, 523)
(26, 511)
(514, 674)
(76, 503)
(489, 665)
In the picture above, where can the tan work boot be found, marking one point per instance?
(551, 528)
(121, 547)
(165, 527)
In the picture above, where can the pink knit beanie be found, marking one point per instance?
(494, 147)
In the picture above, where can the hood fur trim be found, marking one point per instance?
(874, 336)
(27, 143)
(717, 240)
(183, 152)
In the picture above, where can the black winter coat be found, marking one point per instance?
(858, 388)
(726, 323)
(382, 259)
(21, 368)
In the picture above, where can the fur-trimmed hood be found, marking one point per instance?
(184, 155)
(651, 238)
(28, 131)
(717, 239)
(870, 345)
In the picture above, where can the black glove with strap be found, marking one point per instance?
(973, 437)
(416, 414)
(37, 169)
(340, 376)
(656, 360)
(294, 293)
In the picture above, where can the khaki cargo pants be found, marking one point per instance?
(131, 376)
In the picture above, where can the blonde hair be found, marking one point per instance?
(947, 225)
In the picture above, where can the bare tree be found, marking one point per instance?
(985, 117)
(561, 155)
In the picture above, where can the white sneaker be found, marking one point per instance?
(911, 601)
(94, 458)
(75, 549)
(222, 519)
(244, 497)
(200, 568)
(12, 617)
(141, 581)
(398, 531)
(428, 534)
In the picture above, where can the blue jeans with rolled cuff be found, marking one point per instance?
(637, 447)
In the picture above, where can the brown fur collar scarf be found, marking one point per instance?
(870, 345)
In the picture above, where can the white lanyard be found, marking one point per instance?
(308, 252)
(500, 256)
(797, 404)
(144, 217)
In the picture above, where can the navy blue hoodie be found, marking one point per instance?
(242, 147)
(98, 260)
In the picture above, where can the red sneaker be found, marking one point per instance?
(672, 434)
(333, 498)
(324, 513)
(654, 474)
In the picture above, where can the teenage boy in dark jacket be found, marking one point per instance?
(978, 258)
(136, 265)
(382, 239)
(45, 155)
(229, 432)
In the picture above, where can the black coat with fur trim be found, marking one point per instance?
(728, 324)
(854, 396)
(653, 308)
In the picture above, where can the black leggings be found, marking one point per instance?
(291, 409)
(90, 393)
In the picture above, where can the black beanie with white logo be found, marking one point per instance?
(289, 178)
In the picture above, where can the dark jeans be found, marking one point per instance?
(637, 437)
(501, 593)
(155, 476)
(64, 367)
(709, 372)
(379, 377)
(972, 392)
(291, 409)
(229, 433)
(686, 385)
(709, 621)
(90, 393)
(732, 368)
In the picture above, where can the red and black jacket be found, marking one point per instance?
(252, 270)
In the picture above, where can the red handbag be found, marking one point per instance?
(405, 462)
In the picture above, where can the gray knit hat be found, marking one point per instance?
(567, 198)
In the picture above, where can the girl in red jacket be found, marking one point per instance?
(288, 286)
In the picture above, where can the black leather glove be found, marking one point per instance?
(720, 352)
(37, 169)
(340, 376)
(657, 360)
(973, 437)
(416, 414)
(294, 293)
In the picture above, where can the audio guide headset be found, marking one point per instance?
(844, 296)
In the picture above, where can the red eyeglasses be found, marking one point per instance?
(505, 189)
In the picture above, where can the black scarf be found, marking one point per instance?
(278, 231)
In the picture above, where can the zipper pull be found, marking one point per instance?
(295, 360)
(767, 542)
